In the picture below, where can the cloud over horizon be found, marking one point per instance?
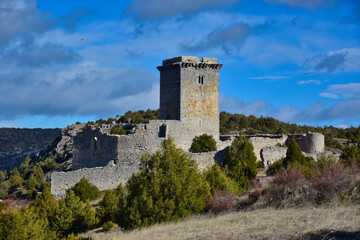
(157, 9)
(309, 4)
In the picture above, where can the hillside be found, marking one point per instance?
(301, 223)
(16, 143)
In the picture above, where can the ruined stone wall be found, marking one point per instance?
(315, 143)
(108, 177)
(271, 154)
(124, 159)
(92, 148)
(310, 143)
(261, 141)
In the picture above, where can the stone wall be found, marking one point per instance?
(311, 143)
(108, 177)
(271, 154)
(189, 92)
(261, 141)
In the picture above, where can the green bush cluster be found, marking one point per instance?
(167, 187)
(108, 226)
(140, 116)
(351, 154)
(203, 143)
(118, 130)
(240, 162)
(112, 207)
(46, 218)
(29, 179)
(218, 181)
(85, 190)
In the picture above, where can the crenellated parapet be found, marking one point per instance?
(190, 62)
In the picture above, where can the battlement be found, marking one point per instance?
(188, 61)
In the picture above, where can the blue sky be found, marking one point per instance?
(67, 61)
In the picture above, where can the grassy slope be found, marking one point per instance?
(303, 223)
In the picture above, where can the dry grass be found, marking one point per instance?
(304, 223)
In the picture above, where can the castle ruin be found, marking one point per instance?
(189, 107)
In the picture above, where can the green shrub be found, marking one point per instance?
(44, 205)
(296, 159)
(4, 189)
(36, 179)
(2, 206)
(108, 226)
(49, 164)
(203, 143)
(240, 162)
(276, 167)
(15, 182)
(260, 164)
(118, 130)
(24, 167)
(218, 181)
(294, 156)
(85, 190)
(23, 224)
(167, 187)
(350, 154)
(72, 216)
(112, 206)
(2, 176)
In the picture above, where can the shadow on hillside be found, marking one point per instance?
(330, 235)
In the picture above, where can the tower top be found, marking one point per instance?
(188, 61)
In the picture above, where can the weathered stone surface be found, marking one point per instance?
(189, 107)
(264, 140)
(270, 154)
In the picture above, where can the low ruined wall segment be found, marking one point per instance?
(271, 154)
(108, 177)
(261, 141)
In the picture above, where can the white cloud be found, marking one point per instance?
(157, 9)
(347, 90)
(317, 82)
(85, 88)
(329, 95)
(269, 77)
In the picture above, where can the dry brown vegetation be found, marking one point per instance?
(336, 222)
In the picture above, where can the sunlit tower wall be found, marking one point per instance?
(189, 92)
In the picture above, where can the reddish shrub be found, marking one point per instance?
(288, 176)
(221, 202)
(330, 182)
(287, 189)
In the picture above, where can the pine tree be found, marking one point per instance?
(294, 156)
(240, 162)
(72, 216)
(218, 180)
(112, 206)
(167, 187)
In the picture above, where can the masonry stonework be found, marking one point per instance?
(189, 107)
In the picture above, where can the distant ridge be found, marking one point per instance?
(16, 143)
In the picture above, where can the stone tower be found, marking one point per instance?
(189, 92)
